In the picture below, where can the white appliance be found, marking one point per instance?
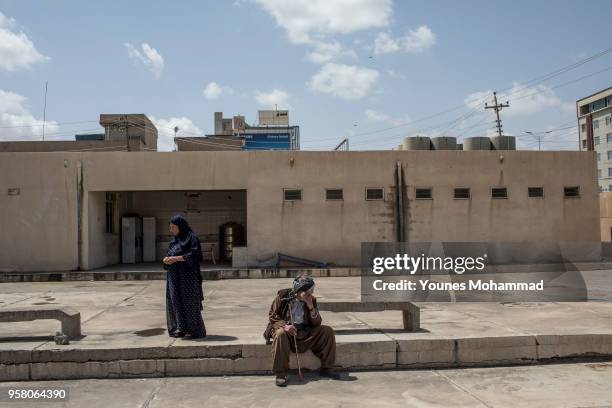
(131, 239)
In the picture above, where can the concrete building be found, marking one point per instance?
(122, 132)
(62, 210)
(595, 132)
(273, 132)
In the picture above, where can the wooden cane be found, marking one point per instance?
(297, 353)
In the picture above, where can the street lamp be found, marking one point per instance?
(538, 135)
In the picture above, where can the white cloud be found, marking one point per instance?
(16, 49)
(524, 100)
(376, 116)
(413, 42)
(395, 75)
(148, 56)
(165, 131)
(275, 97)
(344, 81)
(17, 122)
(305, 19)
(213, 90)
(326, 51)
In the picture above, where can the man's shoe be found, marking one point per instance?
(281, 380)
(334, 375)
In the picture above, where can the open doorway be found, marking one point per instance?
(131, 227)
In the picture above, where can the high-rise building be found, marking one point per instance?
(595, 132)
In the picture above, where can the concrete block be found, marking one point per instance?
(141, 368)
(373, 355)
(15, 356)
(252, 365)
(257, 350)
(14, 372)
(496, 350)
(97, 354)
(209, 351)
(199, 366)
(69, 370)
(557, 346)
(433, 352)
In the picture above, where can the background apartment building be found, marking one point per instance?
(595, 132)
(272, 132)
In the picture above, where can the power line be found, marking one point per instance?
(526, 84)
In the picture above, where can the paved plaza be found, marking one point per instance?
(554, 385)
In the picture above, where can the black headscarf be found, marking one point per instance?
(185, 238)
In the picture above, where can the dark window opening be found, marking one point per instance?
(110, 212)
(573, 191)
(375, 193)
(334, 194)
(462, 193)
(535, 191)
(292, 194)
(423, 194)
(499, 192)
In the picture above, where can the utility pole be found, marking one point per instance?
(539, 137)
(497, 107)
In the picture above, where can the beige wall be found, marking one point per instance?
(313, 228)
(39, 226)
(605, 204)
(63, 145)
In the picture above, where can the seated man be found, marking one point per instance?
(294, 316)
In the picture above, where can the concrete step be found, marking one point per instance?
(155, 272)
(372, 352)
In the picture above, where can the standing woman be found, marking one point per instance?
(184, 294)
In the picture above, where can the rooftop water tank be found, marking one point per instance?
(503, 142)
(444, 143)
(417, 143)
(477, 143)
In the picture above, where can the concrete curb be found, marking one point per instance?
(253, 273)
(241, 359)
(214, 274)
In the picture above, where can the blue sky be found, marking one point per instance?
(367, 69)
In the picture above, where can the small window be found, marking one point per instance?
(596, 124)
(596, 140)
(609, 171)
(584, 109)
(462, 193)
(599, 156)
(608, 120)
(573, 191)
(535, 191)
(423, 194)
(375, 193)
(609, 154)
(290, 194)
(609, 137)
(584, 144)
(499, 192)
(334, 194)
(583, 127)
(609, 187)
